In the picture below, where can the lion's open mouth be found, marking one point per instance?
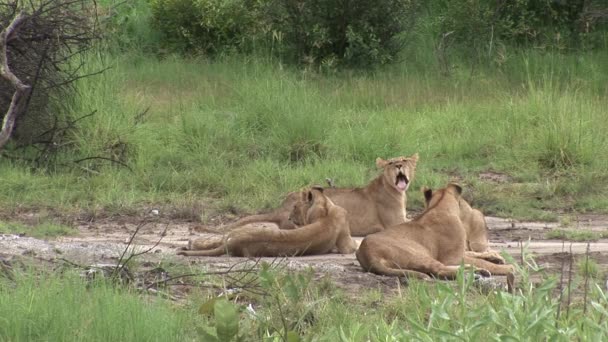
(401, 182)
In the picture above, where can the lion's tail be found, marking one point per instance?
(270, 217)
(218, 251)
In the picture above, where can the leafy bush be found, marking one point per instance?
(318, 32)
(127, 26)
(350, 33)
(483, 29)
(208, 26)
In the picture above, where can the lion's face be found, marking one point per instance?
(399, 172)
(312, 206)
(297, 215)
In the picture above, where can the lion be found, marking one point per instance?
(477, 235)
(373, 208)
(326, 228)
(433, 244)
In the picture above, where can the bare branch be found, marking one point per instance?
(22, 90)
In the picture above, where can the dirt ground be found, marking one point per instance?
(103, 241)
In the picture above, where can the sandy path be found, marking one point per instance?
(104, 241)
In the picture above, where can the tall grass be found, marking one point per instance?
(43, 307)
(37, 305)
(242, 131)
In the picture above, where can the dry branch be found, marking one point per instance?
(22, 90)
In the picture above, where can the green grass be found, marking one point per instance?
(40, 230)
(589, 267)
(66, 309)
(238, 132)
(241, 132)
(576, 235)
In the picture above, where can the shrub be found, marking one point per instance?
(127, 26)
(208, 26)
(329, 33)
(479, 28)
(353, 33)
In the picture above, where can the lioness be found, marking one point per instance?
(326, 228)
(372, 208)
(431, 244)
(477, 234)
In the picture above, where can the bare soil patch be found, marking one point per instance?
(103, 241)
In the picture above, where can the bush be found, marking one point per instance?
(480, 28)
(355, 33)
(127, 26)
(207, 26)
(350, 33)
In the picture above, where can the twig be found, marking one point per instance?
(104, 158)
(569, 282)
(561, 286)
(120, 264)
(133, 253)
(586, 278)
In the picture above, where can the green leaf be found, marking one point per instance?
(226, 320)
(206, 336)
(207, 307)
(293, 336)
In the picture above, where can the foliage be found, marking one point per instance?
(321, 33)
(296, 307)
(489, 31)
(40, 305)
(330, 33)
(127, 26)
(206, 26)
(216, 131)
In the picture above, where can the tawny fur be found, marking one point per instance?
(371, 209)
(433, 244)
(326, 229)
(477, 235)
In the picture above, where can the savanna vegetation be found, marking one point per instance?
(213, 106)
(234, 128)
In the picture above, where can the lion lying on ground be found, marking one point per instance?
(371, 209)
(477, 235)
(433, 244)
(326, 228)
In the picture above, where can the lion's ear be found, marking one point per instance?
(318, 188)
(456, 188)
(413, 158)
(310, 197)
(381, 162)
(428, 194)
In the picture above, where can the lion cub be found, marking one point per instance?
(326, 228)
(371, 209)
(433, 244)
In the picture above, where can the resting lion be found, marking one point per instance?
(433, 244)
(326, 229)
(477, 235)
(372, 208)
